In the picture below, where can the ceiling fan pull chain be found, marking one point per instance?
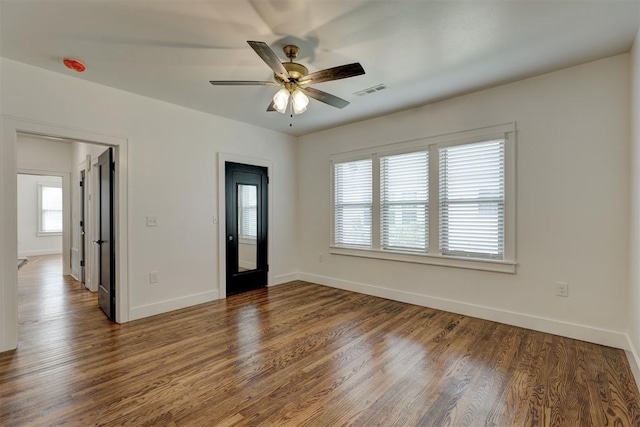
(291, 114)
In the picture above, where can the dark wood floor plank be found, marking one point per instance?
(296, 354)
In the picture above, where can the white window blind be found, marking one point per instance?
(404, 201)
(472, 193)
(353, 203)
(51, 209)
(248, 215)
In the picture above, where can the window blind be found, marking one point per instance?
(248, 206)
(404, 199)
(51, 209)
(472, 200)
(353, 203)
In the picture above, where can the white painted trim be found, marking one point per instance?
(542, 324)
(431, 259)
(171, 305)
(634, 360)
(39, 252)
(284, 278)
(11, 126)
(222, 214)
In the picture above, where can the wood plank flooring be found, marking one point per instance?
(296, 354)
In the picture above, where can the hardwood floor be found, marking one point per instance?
(297, 354)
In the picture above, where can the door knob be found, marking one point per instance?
(230, 238)
(98, 242)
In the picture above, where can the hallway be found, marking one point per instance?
(45, 295)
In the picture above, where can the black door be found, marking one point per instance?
(83, 244)
(106, 256)
(246, 225)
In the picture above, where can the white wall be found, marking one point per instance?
(634, 195)
(172, 175)
(572, 204)
(29, 242)
(53, 157)
(41, 154)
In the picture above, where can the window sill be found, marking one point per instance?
(445, 261)
(48, 233)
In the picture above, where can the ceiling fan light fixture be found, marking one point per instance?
(299, 101)
(280, 100)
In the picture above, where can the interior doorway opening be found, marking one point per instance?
(11, 128)
(60, 210)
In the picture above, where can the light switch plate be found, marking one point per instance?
(152, 221)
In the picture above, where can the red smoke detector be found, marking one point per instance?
(74, 65)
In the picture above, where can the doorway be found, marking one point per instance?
(11, 128)
(246, 196)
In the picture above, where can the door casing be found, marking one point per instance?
(11, 127)
(221, 220)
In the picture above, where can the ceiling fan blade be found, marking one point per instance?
(271, 107)
(335, 73)
(325, 97)
(264, 51)
(241, 83)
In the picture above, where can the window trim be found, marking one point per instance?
(505, 131)
(40, 231)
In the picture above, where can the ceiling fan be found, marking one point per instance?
(294, 78)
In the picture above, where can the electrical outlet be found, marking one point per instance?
(320, 258)
(153, 277)
(562, 289)
(152, 221)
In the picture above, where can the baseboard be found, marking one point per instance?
(634, 361)
(284, 278)
(39, 252)
(75, 275)
(171, 305)
(551, 326)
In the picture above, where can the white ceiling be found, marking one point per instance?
(422, 50)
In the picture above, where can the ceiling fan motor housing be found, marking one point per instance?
(295, 70)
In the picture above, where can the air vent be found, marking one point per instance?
(370, 90)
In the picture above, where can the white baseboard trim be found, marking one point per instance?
(284, 278)
(551, 326)
(39, 252)
(634, 361)
(171, 305)
(75, 275)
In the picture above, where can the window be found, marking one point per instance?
(49, 208)
(446, 200)
(472, 200)
(404, 201)
(353, 203)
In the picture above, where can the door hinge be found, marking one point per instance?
(81, 224)
(81, 263)
(113, 166)
(81, 183)
(267, 179)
